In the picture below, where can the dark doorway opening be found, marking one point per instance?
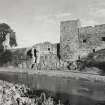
(48, 49)
(94, 51)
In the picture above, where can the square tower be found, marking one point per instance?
(69, 42)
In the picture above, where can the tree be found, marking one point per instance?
(13, 41)
(4, 29)
(6, 55)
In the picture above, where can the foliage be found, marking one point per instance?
(5, 57)
(4, 29)
(96, 59)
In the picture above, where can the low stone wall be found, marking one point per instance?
(72, 87)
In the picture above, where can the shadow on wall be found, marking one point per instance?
(5, 58)
(58, 51)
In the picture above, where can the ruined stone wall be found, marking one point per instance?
(48, 62)
(48, 58)
(69, 39)
(79, 41)
(92, 38)
(46, 48)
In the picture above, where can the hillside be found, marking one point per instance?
(94, 60)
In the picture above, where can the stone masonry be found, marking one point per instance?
(69, 39)
(78, 41)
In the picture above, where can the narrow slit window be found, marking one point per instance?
(84, 41)
(103, 39)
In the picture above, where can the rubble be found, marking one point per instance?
(14, 94)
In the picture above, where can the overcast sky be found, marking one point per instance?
(38, 20)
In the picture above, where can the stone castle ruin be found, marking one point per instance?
(76, 41)
(69, 40)
(47, 52)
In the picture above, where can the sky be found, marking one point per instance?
(37, 21)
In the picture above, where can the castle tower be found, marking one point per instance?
(69, 40)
